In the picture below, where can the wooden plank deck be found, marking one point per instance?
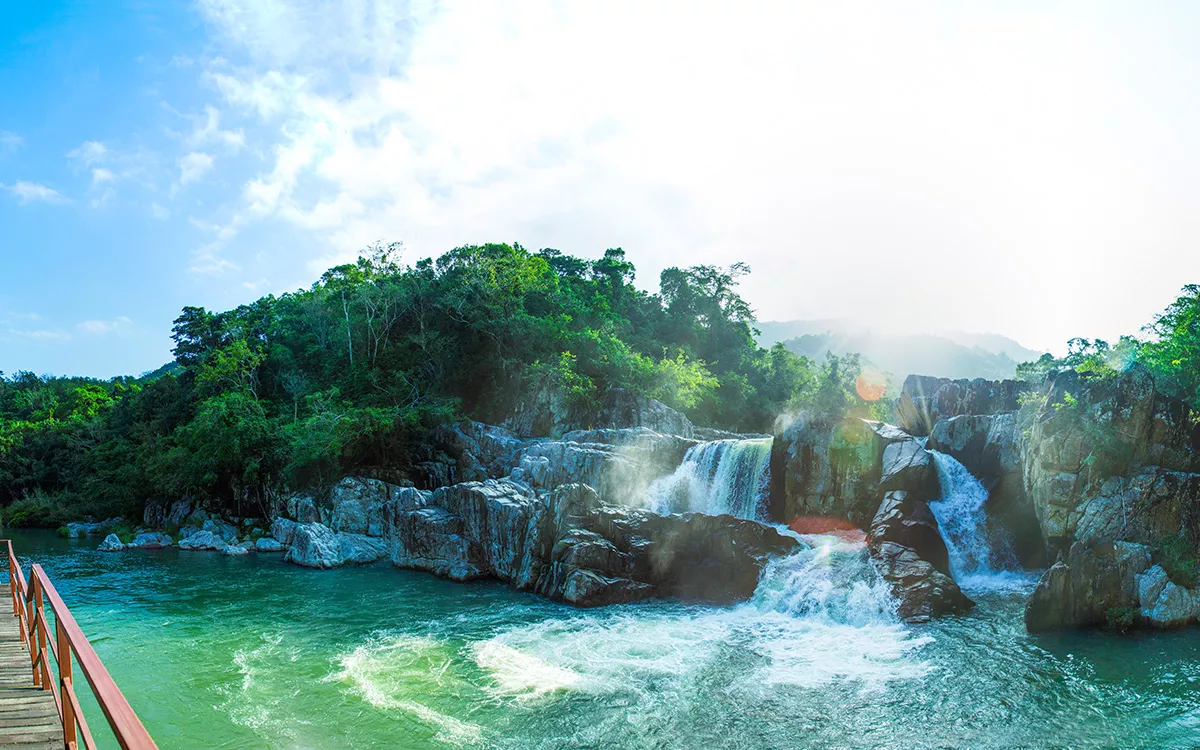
(28, 717)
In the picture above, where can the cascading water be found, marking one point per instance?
(962, 521)
(833, 581)
(720, 476)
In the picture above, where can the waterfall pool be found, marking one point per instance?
(216, 651)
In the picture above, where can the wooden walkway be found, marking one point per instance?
(40, 645)
(28, 714)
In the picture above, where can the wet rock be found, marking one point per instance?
(908, 467)
(268, 544)
(314, 545)
(111, 543)
(203, 540)
(233, 550)
(1081, 590)
(908, 551)
(360, 549)
(1164, 604)
(151, 540)
(569, 545)
(822, 465)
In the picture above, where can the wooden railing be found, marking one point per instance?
(68, 645)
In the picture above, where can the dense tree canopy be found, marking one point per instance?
(352, 374)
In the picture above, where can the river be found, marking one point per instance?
(248, 652)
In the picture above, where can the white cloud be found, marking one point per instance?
(31, 192)
(99, 175)
(194, 166)
(104, 326)
(159, 212)
(90, 153)
(40, 335)
(847, 151)
(10, 141)
(207, 131)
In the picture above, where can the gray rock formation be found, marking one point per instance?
(828, 466)
(151, 540)
(568, 545)
(546, 411)
(268, 544)
(203, 540)
(314, 545)
(111, 543)
(1111, 461)
(1087, 587)
(909, 553)
(283, 529)
(1163, 603)
(159, 514)
(234, 550)
(619, 464)
(925, 400)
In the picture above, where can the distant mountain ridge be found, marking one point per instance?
(950, 354)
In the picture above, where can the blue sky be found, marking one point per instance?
(1023, 168)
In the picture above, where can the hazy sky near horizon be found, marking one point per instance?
(1023, 168)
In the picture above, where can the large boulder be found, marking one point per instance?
(1091, 585)
(151, 540)
(908, 467)
(360, 549)
(823, 465)
(569, 545)
(1163, 603)
(314, 545)
(283, 529)
(203, 540)
(268, 544)
(907, 550)
(925, 400)
(111, 543)
(226, 531)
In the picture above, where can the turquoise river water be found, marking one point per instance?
(248, 652)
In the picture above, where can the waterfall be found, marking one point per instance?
(832, 581)
(962, 521)
(720, 476)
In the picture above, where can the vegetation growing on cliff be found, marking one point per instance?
(352, 373)
(1170, 351)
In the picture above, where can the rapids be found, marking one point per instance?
(250, 653)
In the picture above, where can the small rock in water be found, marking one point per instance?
(111, 543)
(151, 540)
(234, 550)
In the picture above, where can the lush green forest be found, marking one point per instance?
(352, 374)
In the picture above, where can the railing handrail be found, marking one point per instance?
(69, 640)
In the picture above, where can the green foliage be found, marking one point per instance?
(351, 374)
(1173, 355)
(1120, 619)
(1177, 556)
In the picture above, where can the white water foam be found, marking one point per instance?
(719, 476)
(390, 672)
(820, 616)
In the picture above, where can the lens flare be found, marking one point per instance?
(871, 385)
